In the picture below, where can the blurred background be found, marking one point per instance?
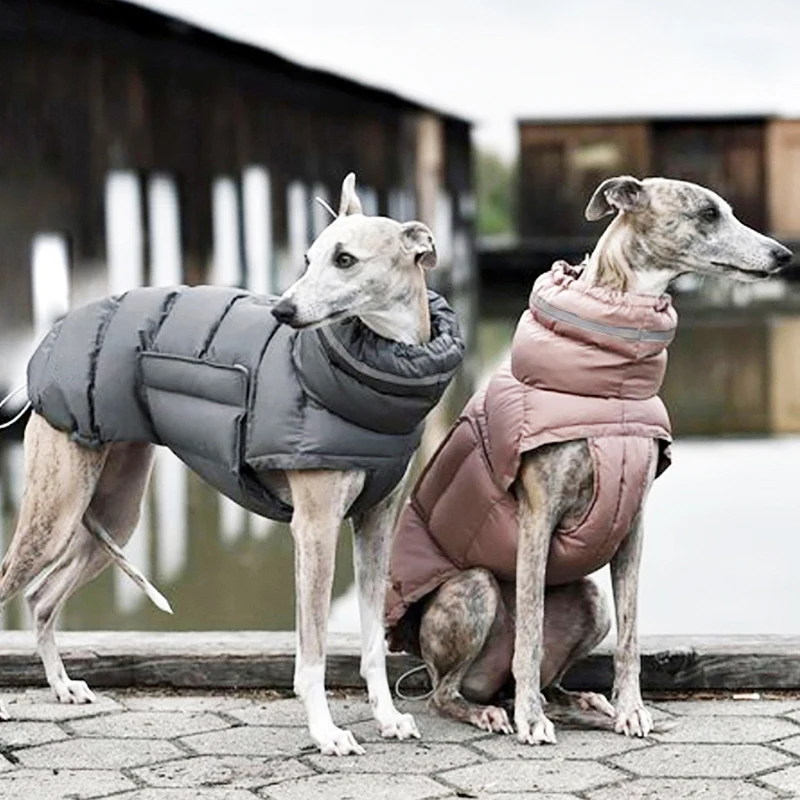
(183, 141)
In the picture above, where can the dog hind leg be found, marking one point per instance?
(466, 641)
(116, 504)
(60, 478)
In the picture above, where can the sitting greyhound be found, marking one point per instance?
(543, 478)
(307, 409)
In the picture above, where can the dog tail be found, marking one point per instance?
(116, 553)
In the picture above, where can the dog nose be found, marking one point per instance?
(782, 255)
(284, 311)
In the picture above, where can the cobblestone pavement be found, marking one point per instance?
(228, 746)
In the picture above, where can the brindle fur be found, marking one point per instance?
(55, 553)
(474, 634)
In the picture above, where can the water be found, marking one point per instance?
(720, 547)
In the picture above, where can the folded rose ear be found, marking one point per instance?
(617, 194)
(418, 239)
(349, 204)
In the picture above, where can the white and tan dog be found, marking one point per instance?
(368, 267)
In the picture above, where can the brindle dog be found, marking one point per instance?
(474, 633)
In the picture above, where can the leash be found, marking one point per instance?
(405, 675)
(21, 413)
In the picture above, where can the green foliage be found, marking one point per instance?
(496, 187)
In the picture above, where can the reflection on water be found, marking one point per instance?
(219, 567)
(720, 547)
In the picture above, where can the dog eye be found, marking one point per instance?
(345, 260)
(710, 214)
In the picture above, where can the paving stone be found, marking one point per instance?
(47, 784)
(729, 708)
(795, 715)
(791, 744)
(211, 771)
(570, 744)
(432, 727)
(701, 760)
(683, 788)
(404, 758)
(98, 753)
(255, 741)
(148, 725)
(786, 779)
(40, 704)
(24, 734)
(554, 775)
(355, 787)
(739, 729)
(523, 796)
(186, 794)
(184, 703)
(290, 712)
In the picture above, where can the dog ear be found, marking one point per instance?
(349, 204)
(418, 239)
(624, 193)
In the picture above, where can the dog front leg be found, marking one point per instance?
(535, 528)
(318, 502)
(372, 545)
(632, 718)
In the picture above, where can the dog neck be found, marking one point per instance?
(621, 261)
(407, 319)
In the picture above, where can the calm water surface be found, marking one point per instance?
(721, 548)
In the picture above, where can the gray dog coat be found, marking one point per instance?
(209, 372)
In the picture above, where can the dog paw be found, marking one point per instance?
(636, 721)
(338, 742)
(590, 701)
(536, 731)
(399, 726)
(494, 720)
(69, 691)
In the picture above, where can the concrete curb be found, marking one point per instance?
(259, 659)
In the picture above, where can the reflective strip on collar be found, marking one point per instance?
(631, 334)
(385, 377)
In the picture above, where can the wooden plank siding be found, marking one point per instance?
(783, 170)
(753, 162)
(561, 165)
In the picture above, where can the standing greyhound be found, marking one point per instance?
(371, 268)
(477, 621)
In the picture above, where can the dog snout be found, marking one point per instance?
(782, 255)
(285, 311)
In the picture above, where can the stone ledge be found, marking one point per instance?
(256, 659)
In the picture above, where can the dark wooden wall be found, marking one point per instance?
(562, 164)
(91, 86)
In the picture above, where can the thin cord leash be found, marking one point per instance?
(19, 414)
(405, 675)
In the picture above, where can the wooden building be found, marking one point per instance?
(136, 148)
(754, 162)
(733, 367)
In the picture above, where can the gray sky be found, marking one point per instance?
(497, 60)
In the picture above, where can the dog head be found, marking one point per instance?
(358, 265)
(679, 227)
